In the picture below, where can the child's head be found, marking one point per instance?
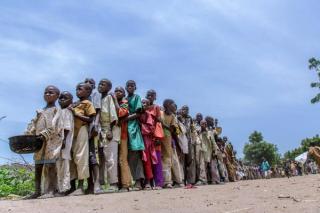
(169, 106)
(185, 111)
(203, 124)
(105, 86)
(210, 121)
(51, 94)
(65, 99)
(216, 122)
(84, 90)
(225, 139)
(90, 81)
(131, 87)
(145, 103)
(199, 117)
(120, 93)
(151, 95)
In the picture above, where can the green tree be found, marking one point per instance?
(257, 148)
(314, 64)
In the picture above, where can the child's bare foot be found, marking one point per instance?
(147, 187)
(112, 189)
(78, 192)
(137, 186)
(157, 188)
(168, 186)
(32, 196)
(47, 196)
(125, 190)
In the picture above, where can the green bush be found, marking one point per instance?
(15, 180)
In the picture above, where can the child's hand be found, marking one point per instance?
(109, 136)
(41, 137)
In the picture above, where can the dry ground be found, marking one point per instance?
(298, 194)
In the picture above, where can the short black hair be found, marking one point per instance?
(107, 81)
(131, 82)
(152, 91)
(55, 89)
(167, 102)
(185, 106)
(120, 88)
(91, 80)
(67, 93)
(85, 85)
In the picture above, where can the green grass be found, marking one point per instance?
(16, 181)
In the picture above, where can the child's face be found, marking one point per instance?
(104, 87)
(91, 82)
(82, 91)
(199, 117)
(50, 95)
(130, 88)
(171, 108)
(203, 125)
(145, 103)
(151, 96)
(65, 100)
(185, 111)
(119, 93)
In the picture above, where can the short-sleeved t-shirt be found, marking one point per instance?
(95, 99)
(84, 108)
(67, 123)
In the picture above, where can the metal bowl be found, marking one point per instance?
(25, 144)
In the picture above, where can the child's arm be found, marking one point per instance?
(87, 119)
(66, 132)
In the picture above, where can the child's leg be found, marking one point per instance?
(63, 175)
(176, 168)
(202, 169)
(102, 165)
(124, 166)
(111, 156)
(136, 166)
(191, 165)
(147, 163)
(37, 182)
(157, 171)
(52, 178)
(166, 149)
(81, 157)
(93, 181)
(215, 177)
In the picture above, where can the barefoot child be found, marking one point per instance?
(169, 125)
(109, 135)
(67, 125)
(190, 161)
(96, 158)
(158, 136)
(136, 144)
(149, 121)
(84, 112)
(46, 126)
(122, 108)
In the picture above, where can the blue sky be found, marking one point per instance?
(242, 61)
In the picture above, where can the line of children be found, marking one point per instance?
(127, 142)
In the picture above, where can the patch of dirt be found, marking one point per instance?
(274, 195)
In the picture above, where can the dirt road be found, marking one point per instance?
(299, 194)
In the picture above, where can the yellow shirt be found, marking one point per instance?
(84, 108)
